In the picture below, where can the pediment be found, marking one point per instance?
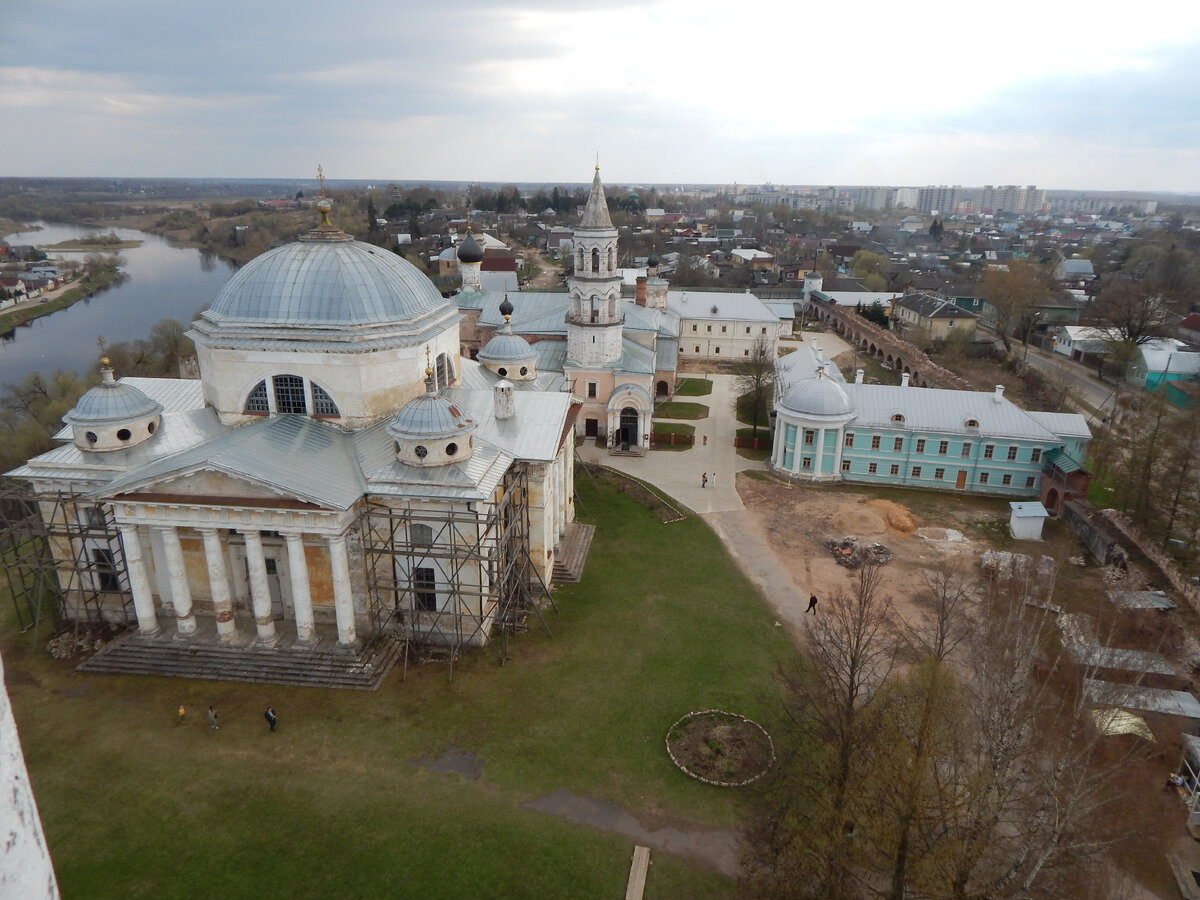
(211, 487)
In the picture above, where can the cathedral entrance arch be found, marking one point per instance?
(629, 426)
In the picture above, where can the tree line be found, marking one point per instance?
(949, 757)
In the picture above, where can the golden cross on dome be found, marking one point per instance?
(321, 179)
(100, 341)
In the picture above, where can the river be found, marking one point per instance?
(163, 282)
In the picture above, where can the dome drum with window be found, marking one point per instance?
(509, 355)
(431, 431)
(112, 416)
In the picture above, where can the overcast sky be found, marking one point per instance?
(1089, 96)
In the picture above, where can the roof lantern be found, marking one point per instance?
(113, 416)
(430, 430)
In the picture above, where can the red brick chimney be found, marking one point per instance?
(639, 296)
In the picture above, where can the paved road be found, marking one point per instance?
(1097, 396)
(678, 474)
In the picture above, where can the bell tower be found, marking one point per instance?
(595, 318)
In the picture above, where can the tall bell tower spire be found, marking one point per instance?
(595, 320)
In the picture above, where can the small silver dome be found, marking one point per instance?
(506, 347)
(818, 396)
(429, 417)
(111, 403)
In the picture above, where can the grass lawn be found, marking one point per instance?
(332, 806)
(680, 409)
(693, 387)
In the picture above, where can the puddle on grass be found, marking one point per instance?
(454, 760)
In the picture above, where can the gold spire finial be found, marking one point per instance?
(100, 341)
(321, 179)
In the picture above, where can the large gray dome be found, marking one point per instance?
(817, 397)
(327, 280)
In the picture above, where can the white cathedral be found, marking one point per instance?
(337, 472)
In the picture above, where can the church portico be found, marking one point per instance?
(310, 504)
(310, 549)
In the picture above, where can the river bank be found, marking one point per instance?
(60, 298)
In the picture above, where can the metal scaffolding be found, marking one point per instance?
(451, 577)
(62, 559)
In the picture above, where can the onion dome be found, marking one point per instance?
(430, 430)
(652, 261)
(112, 416)
(469, 250)
(509, 355)
(820, 396)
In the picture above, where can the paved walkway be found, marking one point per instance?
(677, 473)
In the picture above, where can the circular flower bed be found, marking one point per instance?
(720, 748)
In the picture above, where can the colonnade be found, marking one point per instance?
(219, 585)
(800, 449)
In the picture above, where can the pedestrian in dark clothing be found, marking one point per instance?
(703, 479)
(212, 718)
(812, 605)
(270, 716)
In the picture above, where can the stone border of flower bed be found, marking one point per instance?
(719, 712)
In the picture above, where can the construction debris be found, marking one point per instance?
(854, 554)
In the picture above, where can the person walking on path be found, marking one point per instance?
(181, 715)
(712, 480)
(812, 605)
(212, 718)
(703, 479)
(270, 716)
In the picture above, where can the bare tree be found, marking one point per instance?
(1013, 293)
(809, 848)
(756, 382)
(1132, 312)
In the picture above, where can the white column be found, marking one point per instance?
(820, 454)
(260, 592)
(343, 597)
(139, 582)
(838, 445)
(306, 627)
(181, 592)
(780, 435)
(218, 585)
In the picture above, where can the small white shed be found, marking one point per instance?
(1026, 520)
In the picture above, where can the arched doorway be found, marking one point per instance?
(629, 426)
(1052, 501)
(661, 389)
(591, 427)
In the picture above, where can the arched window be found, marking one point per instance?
(972, 423)
(323, 404)
(579, 265)
(420, 535)
(445, 370)
(897, 417)
(289, 394)
(595, 259)
(612, 260)
(257, 401)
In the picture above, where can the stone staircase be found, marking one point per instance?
(324, 665)
(571, 554)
